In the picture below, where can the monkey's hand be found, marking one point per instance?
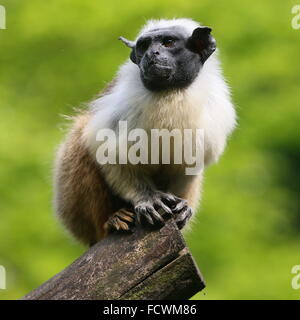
(150, 205)
(154, 207)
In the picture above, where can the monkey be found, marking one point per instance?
(172, 79)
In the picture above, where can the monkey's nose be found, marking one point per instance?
(153, 54)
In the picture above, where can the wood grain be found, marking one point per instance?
(147, 264)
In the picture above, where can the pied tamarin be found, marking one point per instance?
(172, 80)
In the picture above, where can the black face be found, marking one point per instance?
(169, 59)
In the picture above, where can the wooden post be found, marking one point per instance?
(143, 265)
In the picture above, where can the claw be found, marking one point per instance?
(166, 209)
(147, 216)
(115, 223)
(125, 215)
(123, 225)
(169, 198)
(142, 211)
(138, 218)
(120, 220)
(152, 209)
(156, 215)
(183, 217)
(146, 211)
(180, 206)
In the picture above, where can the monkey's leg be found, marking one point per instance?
(83, 200)
(120, 220)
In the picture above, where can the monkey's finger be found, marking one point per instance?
(148, 217)
(156, 215)
(161, 205)
(182, 214)
(138, 209)
(125, 215)
(142, 212)
(178, 200)
(180, 206)
(128, 213)
(168, 198)
(189, 213)
(172, 201)
(123, 225)
(127, 219)
(114, 223)
(138, 218)
(184, 217)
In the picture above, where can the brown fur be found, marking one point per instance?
(83, 200)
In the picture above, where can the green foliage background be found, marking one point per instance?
(57, 54)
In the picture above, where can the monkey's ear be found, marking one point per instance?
(202, 42)
(133, 56)
(131, 45)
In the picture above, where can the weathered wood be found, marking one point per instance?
(143, 265)
(178, 280)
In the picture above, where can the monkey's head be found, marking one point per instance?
(171, 57)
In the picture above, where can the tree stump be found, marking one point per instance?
(147, 264)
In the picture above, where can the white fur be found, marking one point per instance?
(205, 104)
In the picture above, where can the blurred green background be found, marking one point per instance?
(58, 54)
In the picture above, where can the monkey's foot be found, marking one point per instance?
(182, 213)
(152, 209)
(120, 220)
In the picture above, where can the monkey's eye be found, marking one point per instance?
(143, 45)
(168, 42)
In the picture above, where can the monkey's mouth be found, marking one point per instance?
(156, 70)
